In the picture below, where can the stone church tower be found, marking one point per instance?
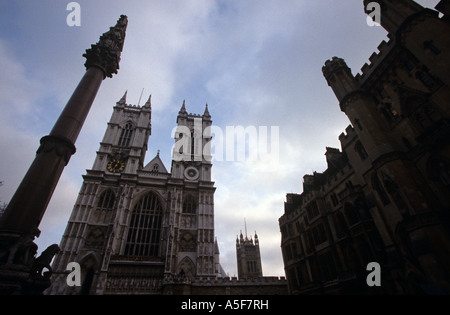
(248, 257)
(135, 225)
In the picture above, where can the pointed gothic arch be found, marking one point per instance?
(126, 134)
(106, 201)
(105, 205)
(144, 233)
(89, 267)
(186, 268)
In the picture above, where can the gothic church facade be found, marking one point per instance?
(134, 227)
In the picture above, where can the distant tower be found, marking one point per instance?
(248, 256)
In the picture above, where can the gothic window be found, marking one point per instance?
(251, 266)
(319, 234)
(359, 148)
(155, 168)
(106, 201)
(334, 199)
(145, 228)
(125, 135)
(189, 205)
(88, 266)
(327, 267)
(294, 250)
(376, 184)
(288, 252)
(312, 210)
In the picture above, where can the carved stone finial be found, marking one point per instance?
(206, 114)
(106, 53)
(183, 109)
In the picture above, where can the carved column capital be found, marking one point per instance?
(63, 147)
(106, 53)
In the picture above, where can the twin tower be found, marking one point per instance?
(136, 226)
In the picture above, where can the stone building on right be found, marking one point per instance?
(385, 196)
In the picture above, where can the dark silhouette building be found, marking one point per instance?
(384, 196)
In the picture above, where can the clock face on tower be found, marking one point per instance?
(116, 166)
(191, 173)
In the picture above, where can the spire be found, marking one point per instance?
(183, 109)
(149, 102)
(123, 100)
(216, 246)
(245, 226)
(206, 114)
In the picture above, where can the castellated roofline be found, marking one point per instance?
(347, 136)
(375, 59)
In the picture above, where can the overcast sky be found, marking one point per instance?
(255, 62)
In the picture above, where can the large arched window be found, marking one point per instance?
(144, 233)
(125, 135)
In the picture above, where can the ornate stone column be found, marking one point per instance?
(20, 272)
